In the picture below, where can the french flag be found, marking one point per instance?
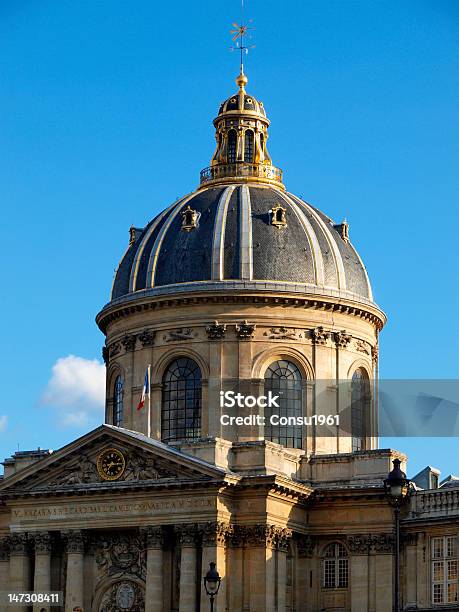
(145, 390)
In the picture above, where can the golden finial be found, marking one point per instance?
(242, 80)
(239, 32)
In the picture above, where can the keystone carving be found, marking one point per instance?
(147, 337)
(320, 335)
(216, 330)
(179, 335)
(245, 330)
(342, 339)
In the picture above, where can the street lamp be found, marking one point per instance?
(396, 486)
(212, 584)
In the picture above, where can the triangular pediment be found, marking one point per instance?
(109, 458)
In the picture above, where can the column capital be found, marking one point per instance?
(215, 533)
(19, 544)
(75, 541)
(187, 534)
(154, 536)
(4, 548)
(43, 542)
(269, 536)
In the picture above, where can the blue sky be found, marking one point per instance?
(106, 113)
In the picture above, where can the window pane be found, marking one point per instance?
(437, 593)
(118, 407)
(232, 141)
(342, 573)
(181, 401)
(248, 148)
(329, 573)
(437, 573)
(437, 548)
(452, 570)
(283, 378)
(360, 392)
(451, 546)
(452, 592)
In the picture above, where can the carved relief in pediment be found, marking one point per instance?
(138, 466)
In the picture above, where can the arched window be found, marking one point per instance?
(335, 567)
(248, 146)
(360, 395)
(118, 408)
(181, 401)
(232, 146)
(262, 143)
(283, 379)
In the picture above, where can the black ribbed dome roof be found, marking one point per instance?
(235, 246)
(249, 103)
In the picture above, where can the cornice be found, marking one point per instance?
(234, 293)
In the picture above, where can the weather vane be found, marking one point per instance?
(238, 33)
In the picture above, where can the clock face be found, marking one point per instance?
(111, 464)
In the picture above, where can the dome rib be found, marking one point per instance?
(311, 237)
(218, 242)
(150, 280)
(245, 229)
(341, 274)
(154, 224)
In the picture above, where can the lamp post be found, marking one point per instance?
(396, 486)
(212, 584)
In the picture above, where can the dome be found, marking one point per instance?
(246, 102)
(244, 237)
(241, 230)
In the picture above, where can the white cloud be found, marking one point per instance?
(77, 389)
(3, 423)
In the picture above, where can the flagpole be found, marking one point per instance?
(149, 401)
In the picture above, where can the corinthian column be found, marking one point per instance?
(188, 588)
(4, 561)
(154, 583)
(42, 578)
(74, 591)
(19, 565)
(214, 537)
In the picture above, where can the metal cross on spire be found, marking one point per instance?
(238, 34)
